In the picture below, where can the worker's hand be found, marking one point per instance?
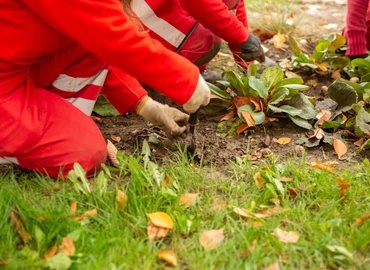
(200, 97)
(163, 116)
(252, 49)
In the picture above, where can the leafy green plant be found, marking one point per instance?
(260, 100)
(324, 58)
(360, 69)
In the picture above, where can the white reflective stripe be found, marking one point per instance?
(8, 160)
(159, 26)
(85, 105)
(71, 84)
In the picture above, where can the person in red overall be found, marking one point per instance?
(206, 22)
(357, 30)
(55, 59)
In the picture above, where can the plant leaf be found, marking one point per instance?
(59, 262)
(344, 94)
(288, 81)
(112, 153)
(283, 140)
(67, 247)
(303, 123)
(285, 109)
(246, 111)
(161, 219)
(339, 147)
(301, 102)
(252, 70)
(278, 95)
(236, 83)
(294, 45)
(272, 76)
(258, 86)
(286, 236)
(218, 92)
(187, 200)
(104, 108)
(212, 239)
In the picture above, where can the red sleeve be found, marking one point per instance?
(102, 27)
(215, 16)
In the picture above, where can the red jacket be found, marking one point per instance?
(31, 29)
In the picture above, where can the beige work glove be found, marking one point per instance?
(163, 116)
(199, 98)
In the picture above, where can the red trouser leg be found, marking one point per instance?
(42, 131)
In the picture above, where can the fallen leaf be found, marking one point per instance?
(290, 20)
(115, 138)
(321, 166)
(67, 247)
(269, 120)
(286, 236)
(73, 208)
(248, 118)
(312, 82)
(243, 212)
(362, 219)
(322, 116)
(121, 200)
(112, 153)
(155, 232)
(88, 215)
(285, 179)
(339, 147)
(218, 204)
(18, 225)
(187, 200)
(290, 74)
(263, 35)
(293, 192)
(359, 142)
(168, 256)
(96, 119)
(51, 252)
(249, 250)
(268, 212)
(55, 188)
(242, 100)
(228, 116)
(253, 224)
(349, 133)
(344, 186)
(161, 219)
(274, 266)
(336, 74)
(279, 42)
(167, 181)
(260, 183)
(283, 140)
(318, 133)
(322, 66)
(212, 239)
(4, 262)
(241, 128)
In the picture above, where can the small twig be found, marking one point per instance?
(323, 152)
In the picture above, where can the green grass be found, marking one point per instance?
(118, 240)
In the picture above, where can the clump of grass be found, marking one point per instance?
(118, 240)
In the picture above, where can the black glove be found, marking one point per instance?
(252, 50)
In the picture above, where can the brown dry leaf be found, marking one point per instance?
(228, 116)
(51, 252)
(55, 188)
(293, 192)
(96, 119)
(115, 138)
(286, 236)
(248, 250)
(4, 262)
(18, 225)
(241, 128)
(243, 212)
(322, 66)
(318, 133)
(336, 74)
(274, 266)
(263, 35)
(362, 219)
(248, 118)
(253, 224)
(167, 181)
(322, 116)
(73, 208)
(212, 239)
(285, 179)
(344, 186)
(312, 82)
(88, 214)
(321, 166)
(260, 183)
(168, 256)
(161, 219)
(283, 140)
(155, 232)
(112, 153)
(241, 101)
(290, 74)
(349, 133)
(290, 20)
(279, 42)
(339, 147)
(187, 200)
(121, 200)
(67, 247)
(218, 204)
(269, 120)
(359, 142)
(268, 212)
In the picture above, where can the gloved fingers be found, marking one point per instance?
(172, 129)
(251, 56)
(179, 117)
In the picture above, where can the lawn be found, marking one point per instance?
(310, 204)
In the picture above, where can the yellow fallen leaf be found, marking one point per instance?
(155, 232)
(112, 153)
(322, 116)
(260, 183)
(72, 208)
(336, 74)
(283, 140)
(168, 256)
(67, 247)
(88, 215)
(218, 204)
(187, 200)
(4, 262)
(285, 179)
(228, 116)
(279, 41)
(312, 82)
(339, 147)
(268, 212)
(321, 166)
(286, 236)
(167, 181)
(121, 200)
(243, 212)
(253, 224)
(249, 120)
(274, 266)
(322, 66)
(359, 142)
(51, 252)
(115, 138)
(290, 74)
(362, 219)
(161, 219)
(318, 133)
(212, 239)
